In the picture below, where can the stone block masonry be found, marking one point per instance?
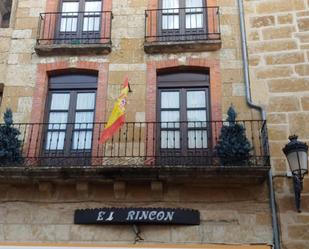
(278, 37)
(20, 64)
(278, 49)
(46, 214)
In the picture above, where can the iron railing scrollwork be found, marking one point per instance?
(134, 144)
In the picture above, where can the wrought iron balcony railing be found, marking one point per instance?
(182, 24)
(74, 28)
(135, 144)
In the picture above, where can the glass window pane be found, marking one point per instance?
(196, 118)
(69, 7)
(60, 101)
(57, 120)
(197, 139)
(91, 24)
(169, 99)
(93, 6)
(68, 24)
(82, 140)
(85, 101)
(55, 140)
(172, 117)
(196, 99)
(170, 22)
(194, 21)
(170, 139)
(84, 120)
(193, 4)
(170, 4)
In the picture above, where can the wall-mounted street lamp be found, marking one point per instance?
(297, 155)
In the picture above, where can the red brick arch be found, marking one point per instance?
(151, 93)
(41, 91)
(41, 87)
(215, 84)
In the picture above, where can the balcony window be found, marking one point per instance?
(80, 27)
(179, 24)
(183, 114)
(80, 22)
(70, 116)
(183, 18)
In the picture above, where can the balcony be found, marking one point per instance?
(74, 33)
(173, 151)
(182, 30)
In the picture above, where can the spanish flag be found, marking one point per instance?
(117, 117)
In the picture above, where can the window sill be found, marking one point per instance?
(182, 46)
(73, 49)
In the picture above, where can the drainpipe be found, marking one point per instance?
(245, 61)
(275, 225)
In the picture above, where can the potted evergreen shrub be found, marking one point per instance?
(233, 147)
(10, 145)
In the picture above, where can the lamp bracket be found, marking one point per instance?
(298, 187)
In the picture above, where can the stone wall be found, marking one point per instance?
(19, 64)
(278, 34)
(5, 13)
(44, 213)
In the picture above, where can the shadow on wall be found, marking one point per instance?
(5, 13)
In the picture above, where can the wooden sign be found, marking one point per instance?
(153, 216)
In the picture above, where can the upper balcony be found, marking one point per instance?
(182, 30)
(74, 33)
(168, 151)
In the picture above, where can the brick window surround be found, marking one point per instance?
(54, 6)
(41, 91)
(215, 89)
(153, 67)
(154, 4)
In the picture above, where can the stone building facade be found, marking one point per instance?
(37, 202)
(278, 50)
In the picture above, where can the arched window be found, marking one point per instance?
(183, 113)
(70, 115)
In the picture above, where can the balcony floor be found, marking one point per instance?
(181, 46)
(73, 49)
